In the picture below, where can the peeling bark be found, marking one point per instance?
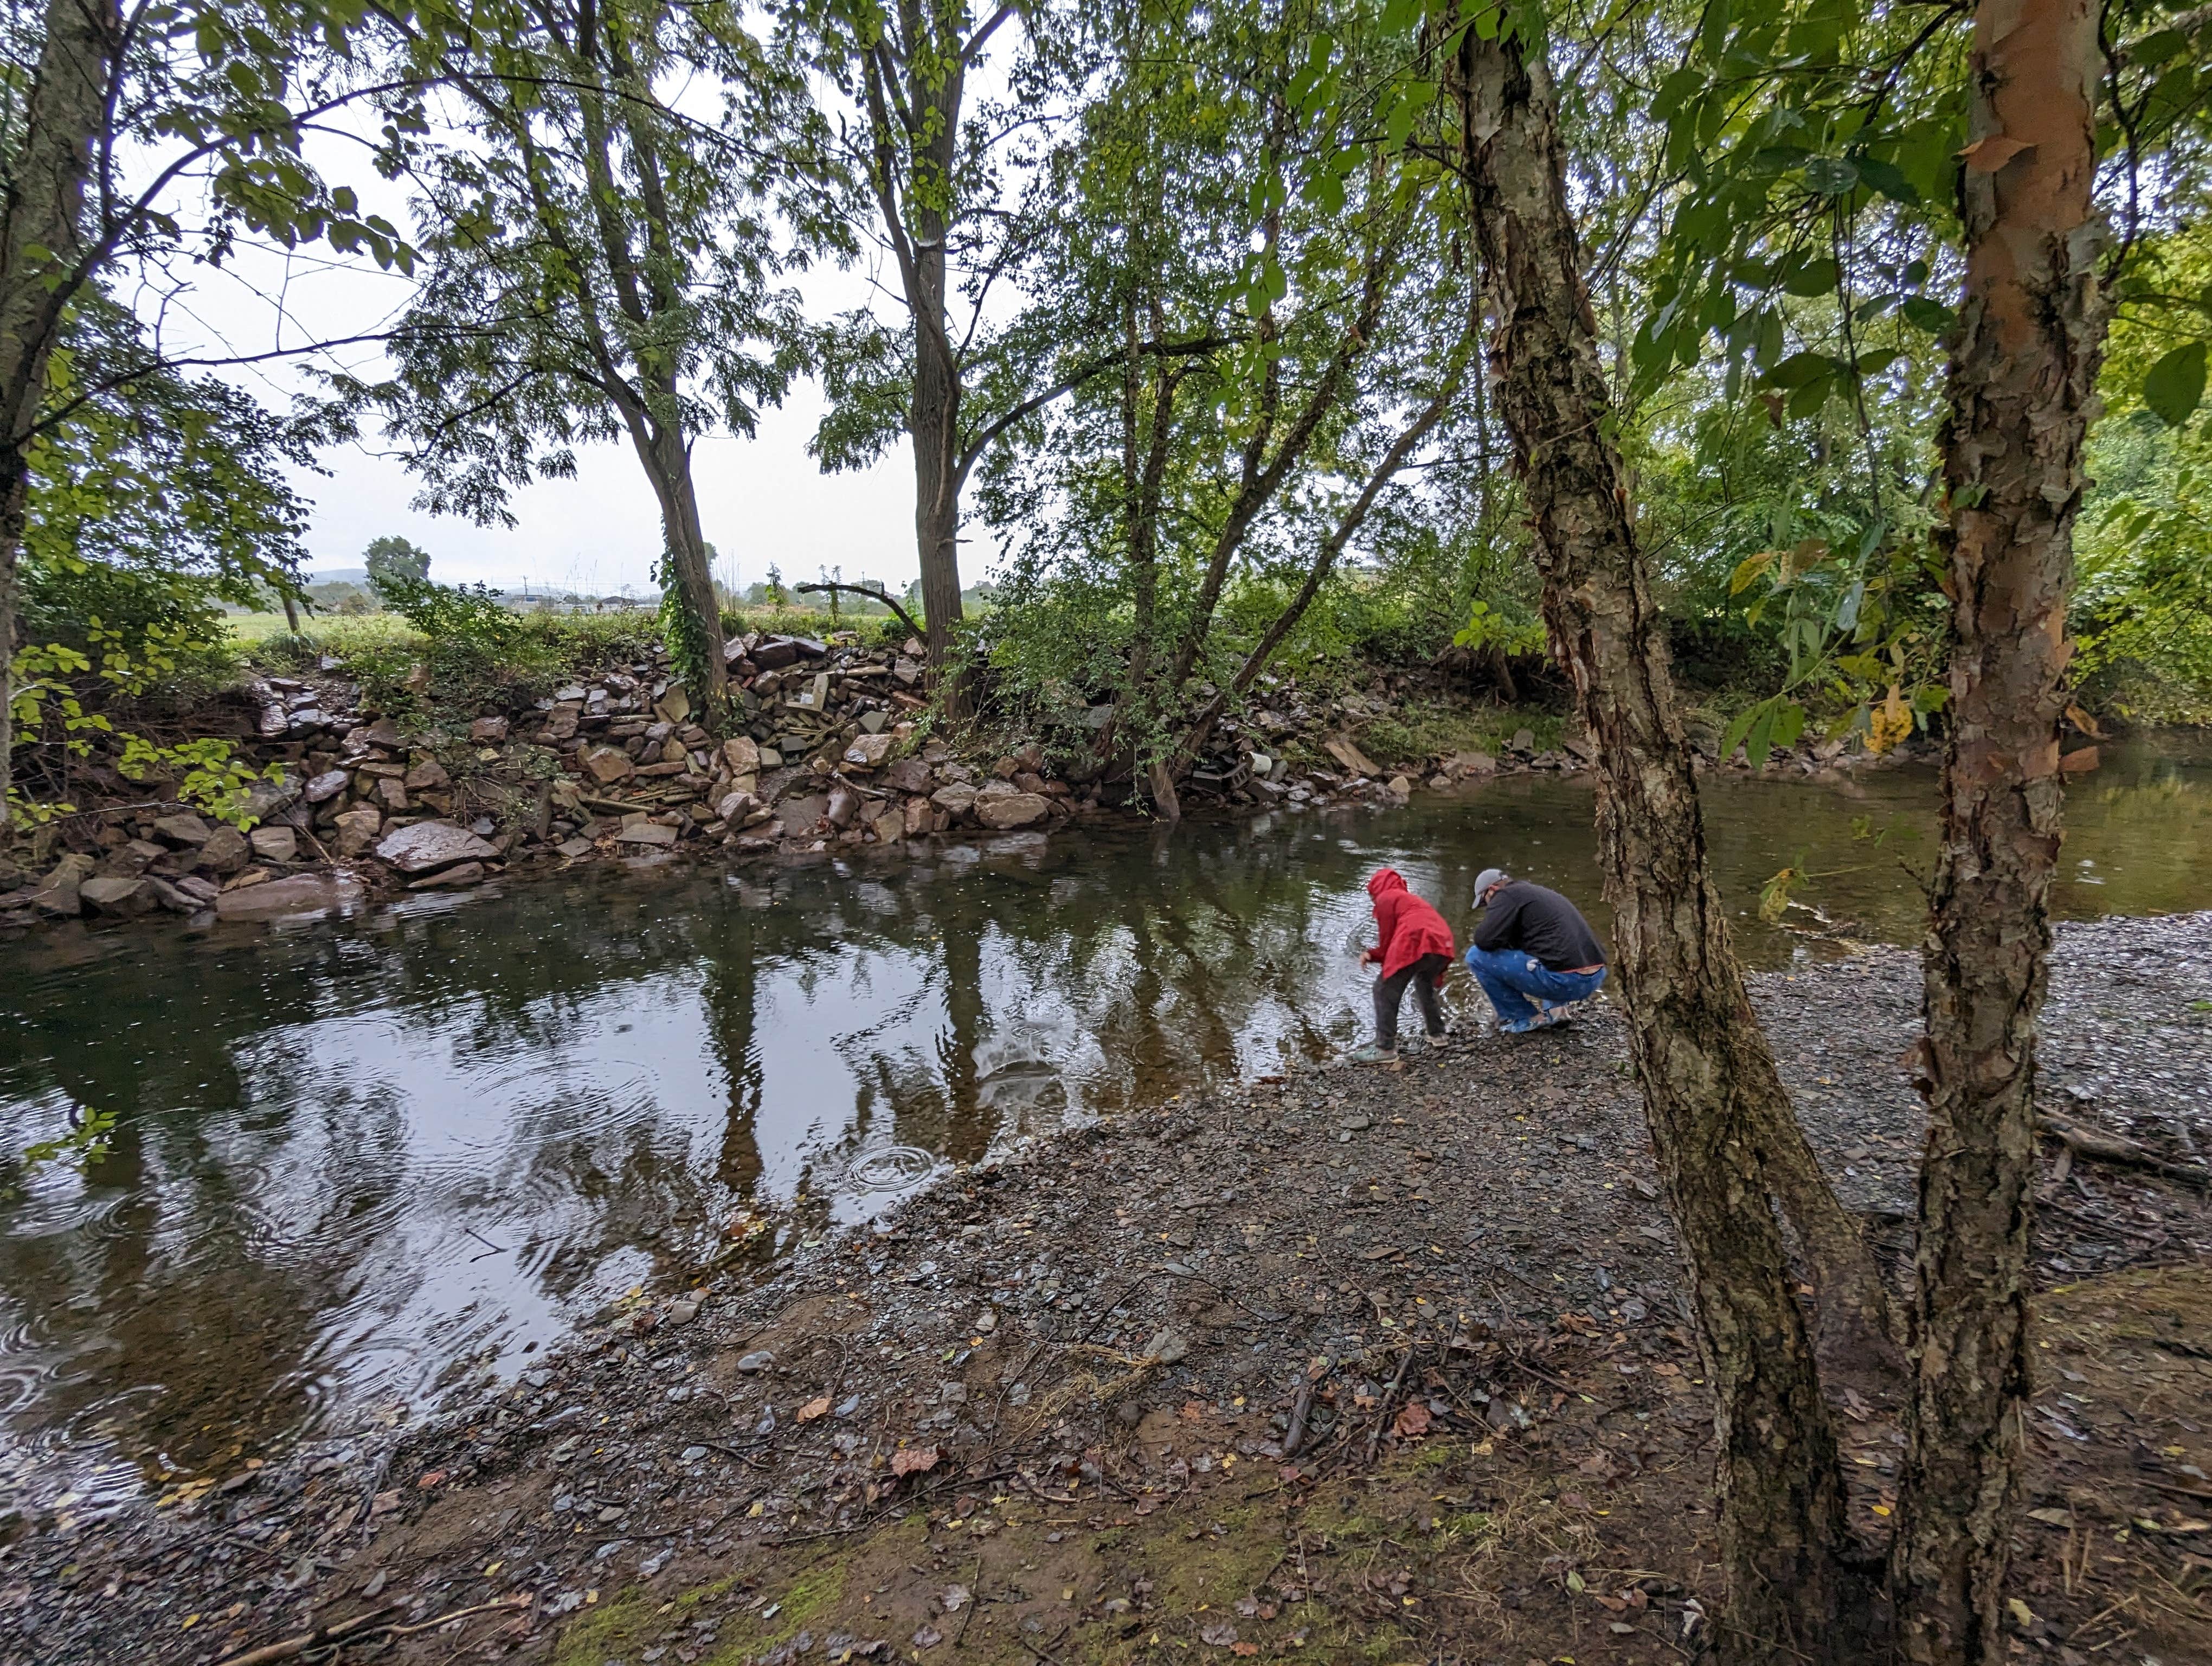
(2022, 387)
(1719, 1116)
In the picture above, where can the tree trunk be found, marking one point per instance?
(2022, 380)
(934, 422)
(40, 239)
(935, 58)
(1711, 1094)
(1144, 451)
(668, 463)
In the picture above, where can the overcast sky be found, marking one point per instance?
(763, 501)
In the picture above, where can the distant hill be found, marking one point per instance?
(338, 576)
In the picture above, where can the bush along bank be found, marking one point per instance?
(836, 749)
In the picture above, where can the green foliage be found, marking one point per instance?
(471, 615)
(209, 774)
(1489, 627)
(393, 560)
(89, 1139)
(156, 497)
(685, 634)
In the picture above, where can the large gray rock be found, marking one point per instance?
(356, 829)
(956, 798)
(608, 766)
(185, 827)
(908, 774)
(742, 755)
(321, 789)
(58, 893)
(468, 873)
(265, 798)
(1015, 810)
(426, 846)
(128, 861)
(844, 805)
(868, 751)
(119, 896)
(647, 833)
(225, 852)
(301, 893)
(798, 816)
(274, 844)
(487, 731)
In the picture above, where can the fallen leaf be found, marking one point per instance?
(2053, 1518)
(431, 1478)
(913, 1460)
(957, 1598)
(813, 1408)
(928, 1638)
(1246, 1649)
(1413, 1418)
(1192, 1411)
(1220, 1635)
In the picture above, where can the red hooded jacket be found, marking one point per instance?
(1409, 927)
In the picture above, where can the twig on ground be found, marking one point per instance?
(1389, 1397)
(1294, 1437)
(364, 1625)
(2103, 1146)
(975, 1602)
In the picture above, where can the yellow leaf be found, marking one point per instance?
(1749, 568)
(818, 1407)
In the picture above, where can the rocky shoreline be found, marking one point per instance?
(1387, 1363)
(835, 751)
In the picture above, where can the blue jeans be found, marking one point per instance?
(1511, 977)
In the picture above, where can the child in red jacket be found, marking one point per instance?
(1416, 948)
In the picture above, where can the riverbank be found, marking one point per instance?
(1380, 1363)
(387, 779)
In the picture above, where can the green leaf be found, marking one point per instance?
(1739, 728)
(2176, 383)
(1761, 741)
(1814, 277)
(1831, 176)
(1889, 180)
(1922, 313)
(1800, 369)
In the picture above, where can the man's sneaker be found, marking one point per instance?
(1519, 1026)
(1376, 1056)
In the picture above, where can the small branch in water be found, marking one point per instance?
(491, 1249)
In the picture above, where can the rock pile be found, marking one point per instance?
(822, 753)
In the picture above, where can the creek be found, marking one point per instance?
(360, 1161)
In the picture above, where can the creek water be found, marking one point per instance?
(360, 1160)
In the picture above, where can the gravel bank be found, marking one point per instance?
(1121, 1315)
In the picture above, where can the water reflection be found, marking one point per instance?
(359, 1158)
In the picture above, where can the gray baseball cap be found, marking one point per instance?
(1485, 880)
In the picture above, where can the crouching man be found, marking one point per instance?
(1535, 955)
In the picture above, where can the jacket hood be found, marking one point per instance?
(1386, 878)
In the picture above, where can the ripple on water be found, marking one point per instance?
(891, 1169)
